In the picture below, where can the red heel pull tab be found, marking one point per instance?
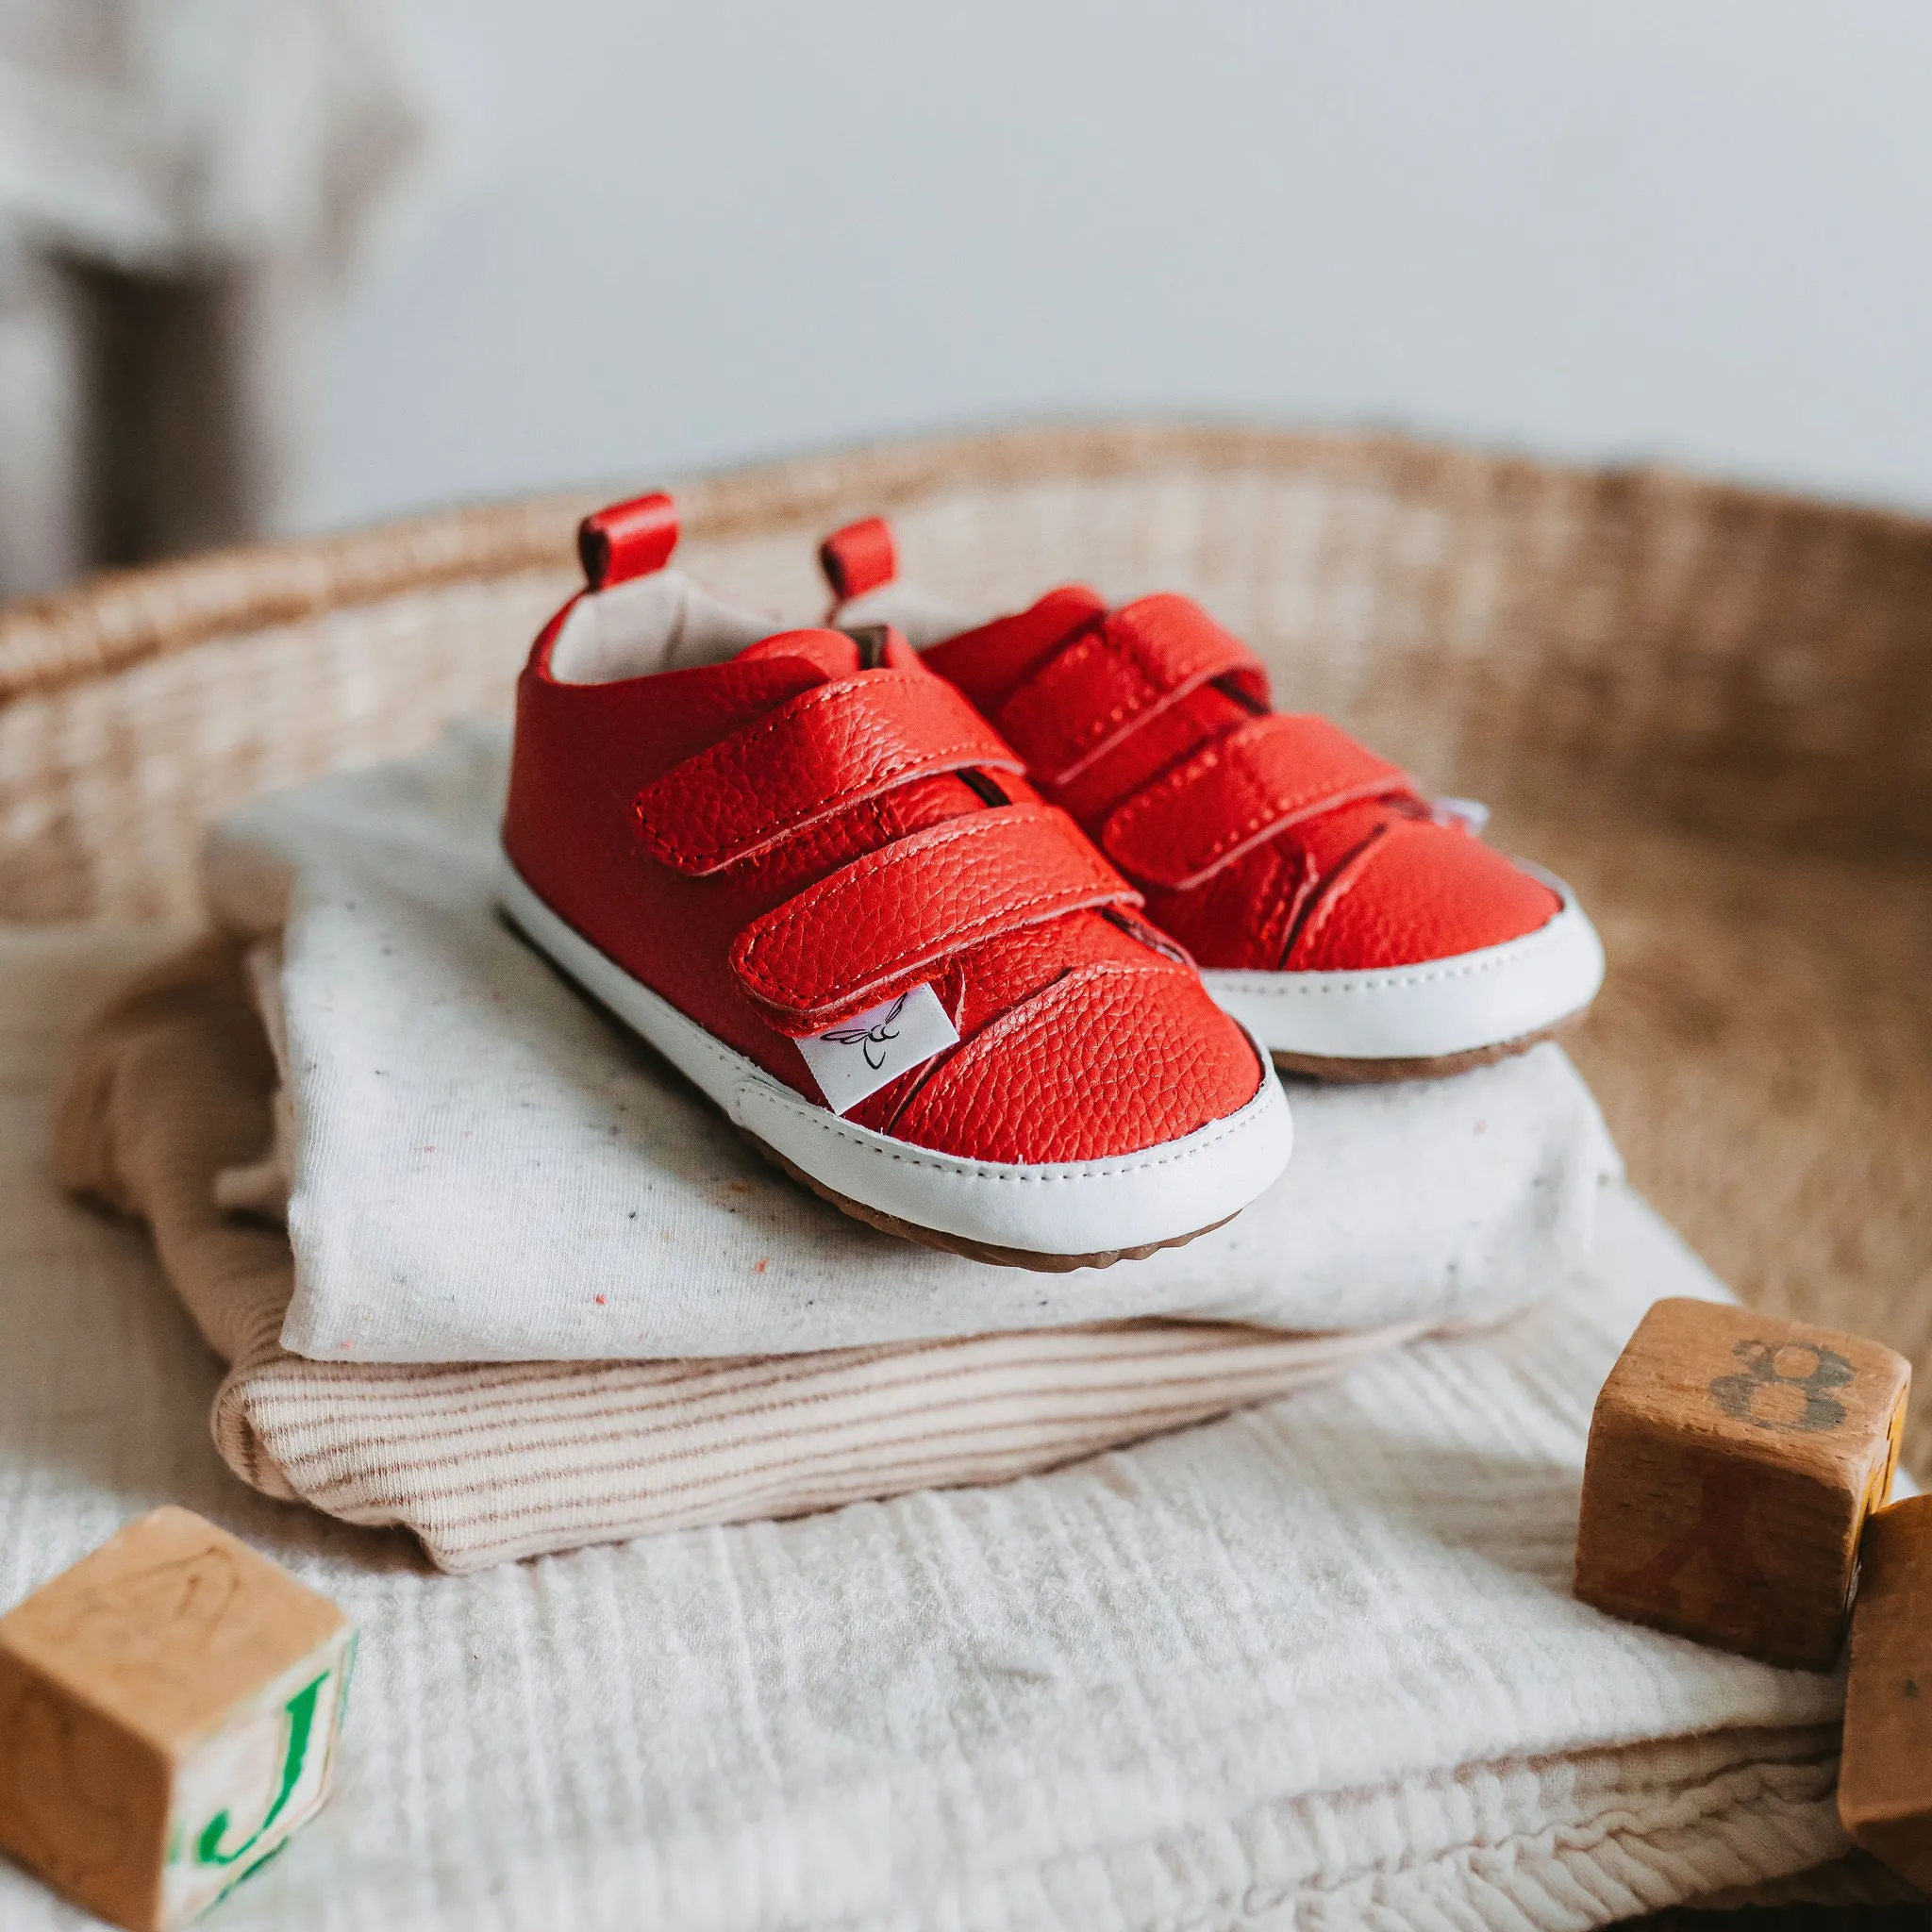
(628, 539)
(858, 558)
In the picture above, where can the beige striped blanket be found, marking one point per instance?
(1315, 1663)
(170, 1083)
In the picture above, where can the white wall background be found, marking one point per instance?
(673, 235)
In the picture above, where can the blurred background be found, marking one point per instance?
(296, 264)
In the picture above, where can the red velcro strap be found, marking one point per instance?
(883, 923)
(1110, 680)
(628, 539)
(826, 749)
(858, 558)
(1237, 793)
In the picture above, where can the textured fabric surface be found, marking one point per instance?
(488, 1462)
(1705, 706)
(1315, 1665)
(470, 1132)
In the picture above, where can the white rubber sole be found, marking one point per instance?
(1472, 1003)
(1076, 1208)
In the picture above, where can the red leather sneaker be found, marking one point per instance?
(807, 872)
(1359, 930)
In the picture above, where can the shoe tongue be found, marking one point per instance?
(835, 653)
(830, 653)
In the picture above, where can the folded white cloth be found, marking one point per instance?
(487, 1168)
(1315, 1666)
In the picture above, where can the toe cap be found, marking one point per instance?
(1420, 892)
(1107, 1059)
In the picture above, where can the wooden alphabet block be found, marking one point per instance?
(1884, 1776)
(168, 1716)
(1733, 1460)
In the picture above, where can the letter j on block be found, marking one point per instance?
(1733, 1460)
(168, 1717)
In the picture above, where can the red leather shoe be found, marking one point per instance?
(808, 874)
(1359, 930)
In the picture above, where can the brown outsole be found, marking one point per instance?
(961, 1244)
(1335, 1073)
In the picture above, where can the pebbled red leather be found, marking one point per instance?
(1237, 793)
(1261, 841)
(1113, 680)
(1376, 912)
(883, 923)
(815, 755)
(859, 558)
(1096, 1040)
(668, 818)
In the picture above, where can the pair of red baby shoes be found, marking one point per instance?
(989, 931)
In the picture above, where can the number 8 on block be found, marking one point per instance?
(1733, 1460)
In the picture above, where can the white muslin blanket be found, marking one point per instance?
(488, 1168)
(1315, 1666)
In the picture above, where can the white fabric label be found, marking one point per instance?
(858, 1056)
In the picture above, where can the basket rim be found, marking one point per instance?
(116, 619)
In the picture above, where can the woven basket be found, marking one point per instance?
(1710, 709)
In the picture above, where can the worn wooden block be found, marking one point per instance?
(167, 1715)
(1733, 1460)
(1885, 1776)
